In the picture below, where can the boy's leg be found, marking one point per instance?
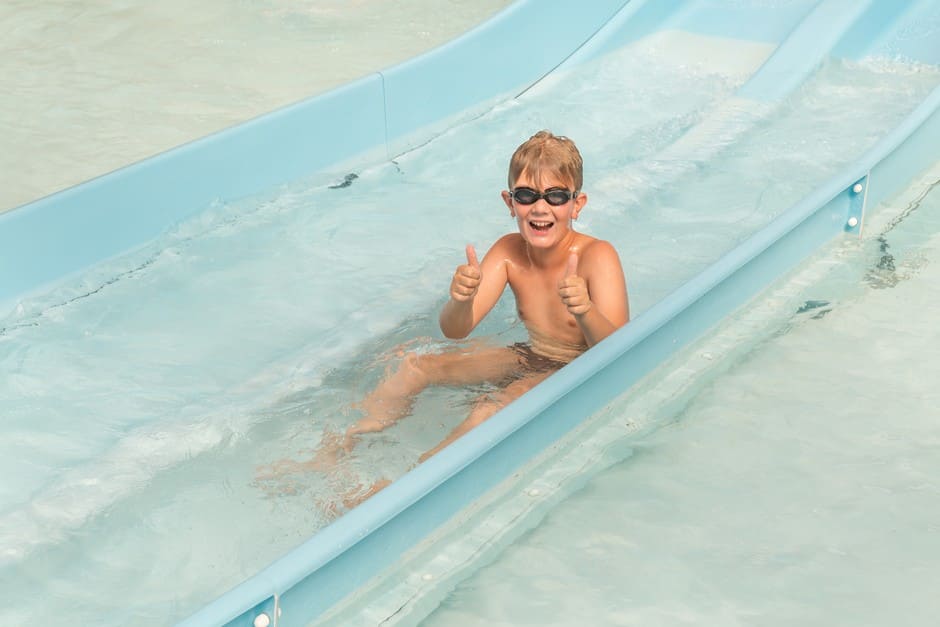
(394, 396)
(489, 405)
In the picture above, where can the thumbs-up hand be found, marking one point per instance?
(467, 278)
(573, 289)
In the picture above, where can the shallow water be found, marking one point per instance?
(800, 487)
(244, 334)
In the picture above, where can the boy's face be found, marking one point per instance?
(542, 224)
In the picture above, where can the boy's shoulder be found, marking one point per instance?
(509, 243)
(589, 245)
(597, 254)
(514, 239)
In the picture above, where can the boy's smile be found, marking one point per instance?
(541, 225)
(540, 221)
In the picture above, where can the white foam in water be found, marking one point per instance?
(242, 336)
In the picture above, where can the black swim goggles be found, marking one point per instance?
(556, 196)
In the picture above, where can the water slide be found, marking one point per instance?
(393, 111)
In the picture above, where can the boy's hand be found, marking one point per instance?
(467, 278)
(573, 289)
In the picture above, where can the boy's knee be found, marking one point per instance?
(417, 365)
(424, 369)
(366, 425)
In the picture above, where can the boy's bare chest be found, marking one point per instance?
(540, 305)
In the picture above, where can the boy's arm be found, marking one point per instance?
(595, 291)
(474, 290)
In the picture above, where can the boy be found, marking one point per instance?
(569, 287)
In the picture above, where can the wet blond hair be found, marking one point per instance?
(550, 154)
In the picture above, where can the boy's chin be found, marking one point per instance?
(540, 242)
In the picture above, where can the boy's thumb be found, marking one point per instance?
(572, 269)
(472, 256)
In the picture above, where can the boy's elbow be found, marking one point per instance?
(452, 334)
(452, 329)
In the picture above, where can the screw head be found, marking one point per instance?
(262, 620)
(853, 221)
(858, 188)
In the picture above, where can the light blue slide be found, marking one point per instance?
(391, 112)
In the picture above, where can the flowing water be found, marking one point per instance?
(141, 398)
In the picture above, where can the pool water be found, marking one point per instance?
(798, 487)
(142, 397)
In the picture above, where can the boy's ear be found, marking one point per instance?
(508, 200)
(579, 202)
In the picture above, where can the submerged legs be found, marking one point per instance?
(394, 397)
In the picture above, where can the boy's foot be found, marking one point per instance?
(355, 497)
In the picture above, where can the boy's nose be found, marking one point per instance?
(542, 204)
